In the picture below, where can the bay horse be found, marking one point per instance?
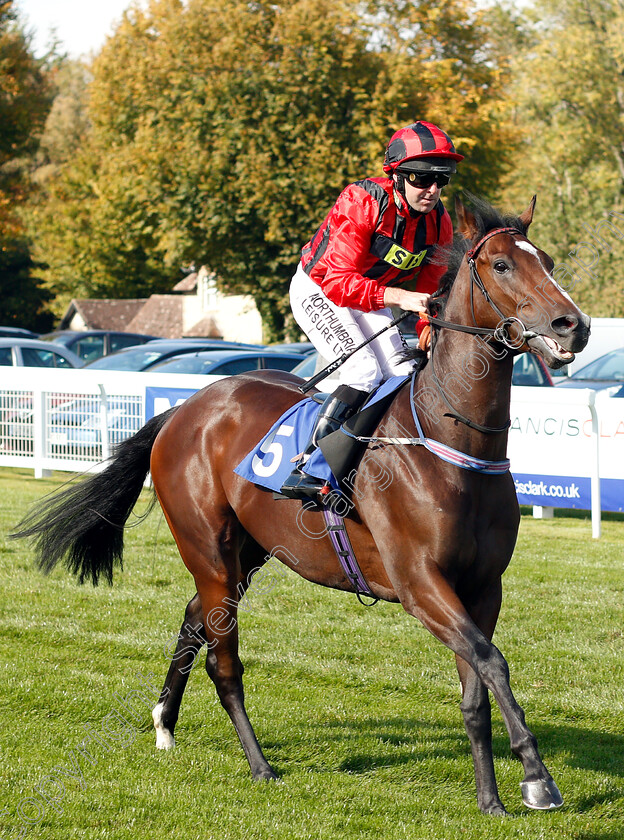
(437, 540)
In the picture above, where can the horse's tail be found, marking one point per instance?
(84, 524)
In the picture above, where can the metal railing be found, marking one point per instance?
(71, 419)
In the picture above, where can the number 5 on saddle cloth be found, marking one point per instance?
(270, 462)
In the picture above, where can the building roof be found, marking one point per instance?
(206, 328)
(188, 283)
(164, 315)
(159, 315)
(103, 314)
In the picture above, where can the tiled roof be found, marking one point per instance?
(159, 315)
(187, 284)
(103, 314)
(206, 328)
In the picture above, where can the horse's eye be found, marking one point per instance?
(500, 267)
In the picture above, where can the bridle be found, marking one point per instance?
(501, 333)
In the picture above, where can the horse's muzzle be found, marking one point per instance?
(566, 336)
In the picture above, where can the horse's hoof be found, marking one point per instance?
(164, 737)
(496, 809)
(164, 740)
(266, 775)
(541, 795)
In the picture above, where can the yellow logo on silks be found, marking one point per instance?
(405, 260)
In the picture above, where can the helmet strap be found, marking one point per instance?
(399, 186)
(399, 183)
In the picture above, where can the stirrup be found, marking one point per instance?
(300, 485)
(336, 408)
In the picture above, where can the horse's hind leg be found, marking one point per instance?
(222, 662)
(211, 555)
(189, 642)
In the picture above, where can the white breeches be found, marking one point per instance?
(335, 330)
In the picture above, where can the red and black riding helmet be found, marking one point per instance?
(421, 147)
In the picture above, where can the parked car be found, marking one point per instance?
(531, 370)
(304, 348)
(17, 332)
(604, 372)
(528, 369)
(76, 427)
(93, 344)
(30, 352)
(152, 352)
(227, 362)
(16, 409)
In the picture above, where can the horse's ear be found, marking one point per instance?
(466, 222)
(527, 217)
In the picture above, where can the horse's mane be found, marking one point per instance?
(487, 218)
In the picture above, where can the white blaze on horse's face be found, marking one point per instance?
(531, 249)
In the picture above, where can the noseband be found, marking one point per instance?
(501, 333)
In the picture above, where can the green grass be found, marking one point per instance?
(357, 709)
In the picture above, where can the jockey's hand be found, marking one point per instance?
(411, 301)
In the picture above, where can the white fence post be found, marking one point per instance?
(39, 432)
(106, 448)
(596, 505)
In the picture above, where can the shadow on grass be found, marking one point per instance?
(585, 749)
(402, 741)
(596, 834)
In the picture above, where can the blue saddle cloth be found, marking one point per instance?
(270, 462)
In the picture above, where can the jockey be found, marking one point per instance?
(372, 252)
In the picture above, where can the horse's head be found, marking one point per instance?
(516, 292)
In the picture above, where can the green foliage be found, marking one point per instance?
(24, 93)
(569, 107)
(67, 125)
(25, 98)
(23, 298)
(222, 133)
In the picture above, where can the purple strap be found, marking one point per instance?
(344, 550)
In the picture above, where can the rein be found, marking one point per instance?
(501, 333)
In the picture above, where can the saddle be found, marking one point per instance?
(270, 461)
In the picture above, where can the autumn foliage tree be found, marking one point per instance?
(24, 101)
(568, 94)
(221, 133)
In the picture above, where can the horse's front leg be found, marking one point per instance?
(436, 604)
(477, 711)
(477, 714)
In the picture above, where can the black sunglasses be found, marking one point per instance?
(426, 179)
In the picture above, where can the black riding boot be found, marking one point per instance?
(337, 408)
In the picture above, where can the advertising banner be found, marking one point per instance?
(159, 399)
(553, 446)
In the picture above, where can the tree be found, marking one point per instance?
(23, 297)
(24, 102)
(222, 133)
(24, 93)
(569, 95)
